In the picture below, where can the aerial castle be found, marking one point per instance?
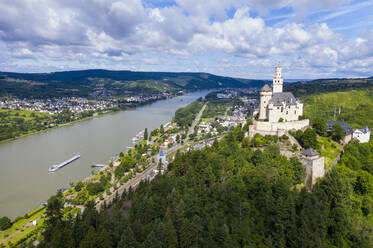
(279, 111)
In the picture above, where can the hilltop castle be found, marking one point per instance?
(279, 111)
(275, 105)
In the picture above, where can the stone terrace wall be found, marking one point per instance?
(274, 128)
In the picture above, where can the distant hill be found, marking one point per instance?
(328, 85)
(86, 83)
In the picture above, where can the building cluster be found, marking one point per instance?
(58, 105)
(238, 118)
(360, 134)
(78, 104)
(149, 97)
(231, 93)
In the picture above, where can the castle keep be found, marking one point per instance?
(275, 105)
(279, 111)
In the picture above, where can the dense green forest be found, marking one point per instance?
(328, 85)
(231, 195)
(86, 82)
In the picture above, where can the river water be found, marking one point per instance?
(24, 178)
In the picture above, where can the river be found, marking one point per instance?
(24, 178)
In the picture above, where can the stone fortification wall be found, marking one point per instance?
(276, 128)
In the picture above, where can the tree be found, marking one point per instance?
(79, 186)
(309, 139)
(171, 234)
(127, 240)
(146, 134)
(161, 129)
(54, 208)
(5, 223)
(319, 124)
(152, 241)
(337, 132)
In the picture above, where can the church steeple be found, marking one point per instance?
(277, 80)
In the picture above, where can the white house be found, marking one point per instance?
(362, 135)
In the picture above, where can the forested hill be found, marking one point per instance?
(84, 82)
(328, 85)
(230, 195)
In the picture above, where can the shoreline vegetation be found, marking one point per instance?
(101, 184)
(132, 163)
(95, 115)
(255, 188)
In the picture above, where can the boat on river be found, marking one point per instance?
(63, 164)
(98, 165)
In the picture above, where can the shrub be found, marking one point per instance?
(5, 223)
(94, 188)
(79, 186)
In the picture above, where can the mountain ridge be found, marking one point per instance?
(82, 82)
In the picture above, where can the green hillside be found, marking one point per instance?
(230, 195)
(328, 85)
(85, 83)
(355, 107)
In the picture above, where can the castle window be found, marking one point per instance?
(286, 112)
(295, 112)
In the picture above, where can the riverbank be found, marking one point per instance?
(95, 115)
(143, 171)
(24, 178)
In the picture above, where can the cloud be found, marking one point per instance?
(115, 33)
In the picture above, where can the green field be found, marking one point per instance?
(22, 228)
(15, 123)
(355, 107)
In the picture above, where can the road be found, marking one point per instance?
(196, 120)
(135, 181)
(132, 183)
(146, 173)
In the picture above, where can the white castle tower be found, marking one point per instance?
(265, 98)
(278, 80)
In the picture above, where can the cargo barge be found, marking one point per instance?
(59, 166)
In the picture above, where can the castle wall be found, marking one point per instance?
(347, 138)
(272, 128)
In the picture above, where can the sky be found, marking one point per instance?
(240, 38)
